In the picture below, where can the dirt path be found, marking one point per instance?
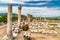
(42, 37)
(20, 36)
(2, 32)
(36, 36)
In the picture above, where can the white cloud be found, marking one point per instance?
(5, 9)
(11, 1)
(43, 11)
(36, 11)
(22, 1)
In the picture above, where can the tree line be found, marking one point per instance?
(3, 17)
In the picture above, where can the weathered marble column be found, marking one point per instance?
(45, 22)
(9, 23)
(19, 15)
(29, 17)
(45, 19)
(39, 19)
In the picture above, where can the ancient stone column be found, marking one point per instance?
(19, 16)
(45, 22)
(45, 19)
(29, 17)
(9, 23)
(39, 19)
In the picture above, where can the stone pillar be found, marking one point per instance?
(45, 22)
(39, 19)
(9, 23)
(19, 16)
(45, 19)
(29, 17)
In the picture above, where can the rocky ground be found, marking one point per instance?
(39, 36)
(3, 32)
(34, 36)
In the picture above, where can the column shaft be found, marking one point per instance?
(19, 16)
(9, 23)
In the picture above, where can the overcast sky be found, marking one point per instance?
(46, 8)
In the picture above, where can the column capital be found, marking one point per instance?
(19, 7)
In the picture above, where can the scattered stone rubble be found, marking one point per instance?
(35, 27)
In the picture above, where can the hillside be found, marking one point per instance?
(3, 17)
